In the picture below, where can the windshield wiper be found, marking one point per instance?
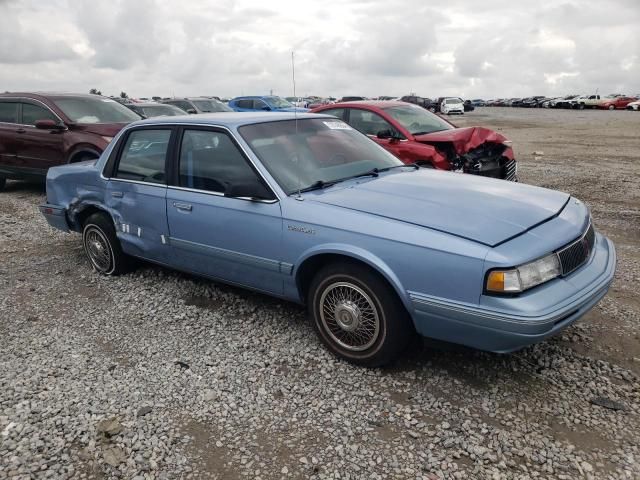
(319, 184)
(414, 165)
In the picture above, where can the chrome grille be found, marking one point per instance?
(576, 253)
(510, 170)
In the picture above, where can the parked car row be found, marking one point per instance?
(38, 131)
(305, 207)
(613, 101)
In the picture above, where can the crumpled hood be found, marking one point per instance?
(485, 210)
(106, 129)
(463, 139)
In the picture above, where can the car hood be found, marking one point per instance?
(462, 139)
(484, 210)
(105, 129)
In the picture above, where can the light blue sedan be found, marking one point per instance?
(309, 210)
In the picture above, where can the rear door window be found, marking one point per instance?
(143, 156)
(336, 112)
(9, 112)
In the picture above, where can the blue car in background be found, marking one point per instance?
(305, 208)
(268, 103)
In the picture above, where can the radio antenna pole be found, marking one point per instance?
(295, 119)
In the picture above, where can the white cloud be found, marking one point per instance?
(369, 47)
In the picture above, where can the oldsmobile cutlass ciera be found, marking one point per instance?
(310, 210)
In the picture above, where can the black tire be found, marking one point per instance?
(611, 107)
(581, 106)
(3, 183)
(340, 295)
(102, 247)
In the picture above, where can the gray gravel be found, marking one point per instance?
(161, 375)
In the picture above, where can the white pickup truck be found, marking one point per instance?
(586, 101)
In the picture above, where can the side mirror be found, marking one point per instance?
(384, 134)
(191, 111)
(388, 134)
(254, 190)
(49, 125)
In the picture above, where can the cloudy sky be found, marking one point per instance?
(472, 48)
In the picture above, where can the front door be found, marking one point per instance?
(237, 240)
(38, 150)
(371, 124)
(136, 193)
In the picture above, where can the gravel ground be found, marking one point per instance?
(160, 375)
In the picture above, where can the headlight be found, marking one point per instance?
(107, 139)
(525, 276)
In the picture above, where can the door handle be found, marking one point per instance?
(117, 194)
(20, 130)
(182, 206)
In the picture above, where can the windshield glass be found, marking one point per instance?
(277, 102)
(453, 100)
(211, 106)
(161, 111)
(417, 120)
(322, 150)
(95, 110)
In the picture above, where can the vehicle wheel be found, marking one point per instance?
(82, 157)
(358, 316)
(581, 106)
(611, 107)
(102, 247)
(3, 183)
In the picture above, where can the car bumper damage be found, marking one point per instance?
(56, 216)
(507, 324)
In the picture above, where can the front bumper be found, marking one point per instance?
(56, 216)
(512, 323)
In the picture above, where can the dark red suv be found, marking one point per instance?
(38, 131)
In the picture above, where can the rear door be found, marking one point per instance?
(137, 189)
(37, 149)
(237, 240)
(8, 135)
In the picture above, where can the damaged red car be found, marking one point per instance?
(415, 135)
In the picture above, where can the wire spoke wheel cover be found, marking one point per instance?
(349, 316)
(98, 249)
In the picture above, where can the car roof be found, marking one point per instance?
(45, 95)
(256, 96)
(229, 119)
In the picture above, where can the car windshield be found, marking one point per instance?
(211, 106)
(453, 100)
(417, 120)
(161, 111)
(314, 151)
(277, 102)
(95, 110)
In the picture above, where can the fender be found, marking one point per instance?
(362, 255)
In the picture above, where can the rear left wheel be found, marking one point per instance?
(102, 247)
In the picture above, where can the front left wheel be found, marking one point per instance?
(102, 247)
(358, 316)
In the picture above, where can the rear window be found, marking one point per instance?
(9, 112)
(95, 110)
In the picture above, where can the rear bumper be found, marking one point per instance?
(509, 330)
(56, 216)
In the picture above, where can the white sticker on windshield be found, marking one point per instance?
(334, 125)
